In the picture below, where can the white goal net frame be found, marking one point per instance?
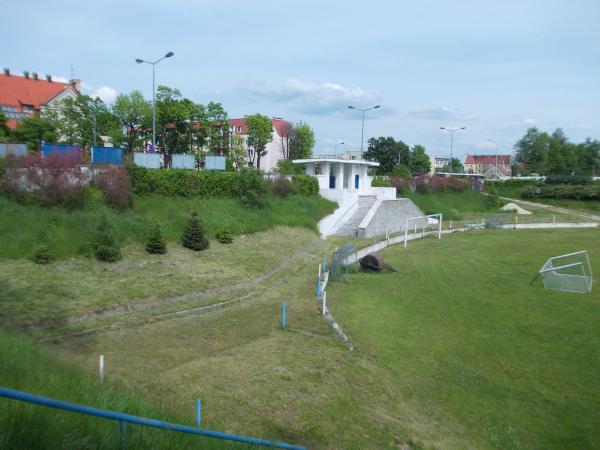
(571, 272)
(430, 224)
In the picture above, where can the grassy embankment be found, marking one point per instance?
(69, 233)
(485, 359)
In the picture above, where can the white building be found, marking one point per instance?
(438, 162)
(275, 148)
(363, 210)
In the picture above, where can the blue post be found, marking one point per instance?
(283, 315)
(318, 286)
(324, 263)
(198, 413)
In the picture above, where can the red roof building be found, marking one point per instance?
(492, 166)
(21, 96)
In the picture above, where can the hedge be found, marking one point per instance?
(570, 191)
(305, 185)
(181, 182)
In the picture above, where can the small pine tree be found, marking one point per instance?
(42, 255)
(224, 237)
(107, 248)
(155, 243)
(194, 235)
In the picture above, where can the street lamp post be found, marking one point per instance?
(140, 61)
(452, 131)
(335, 147)
(362, 130)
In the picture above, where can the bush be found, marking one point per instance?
(55, 180)
(42, 255)
(194, 234)
(114, 183)
(380, 182)
(282, 187)
(106, 246)
(492, 200)
(182, 182)
(305, 185)
(250, 187)
(287, 167)
(156, 244)
(567, 179)
(566, 191)
(401, 171)
(224, 236)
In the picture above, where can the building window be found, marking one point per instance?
(27, 108)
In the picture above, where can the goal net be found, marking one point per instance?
(571, 272)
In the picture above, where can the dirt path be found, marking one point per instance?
(558, 209)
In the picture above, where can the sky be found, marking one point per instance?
(494, 67)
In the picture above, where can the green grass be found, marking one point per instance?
(26, 366)
(69, 233)
(453, 205)
(485, 359)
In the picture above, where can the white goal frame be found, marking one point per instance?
(554, 273)
(437, 217)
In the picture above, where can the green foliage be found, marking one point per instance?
(305, 185)
(567, 179)
(287, 167)
(301, 142)
(282, 187)
(156, 243)
(4, 130)
(42, 255)
(419, 163)
(134, 113)
(181, 182)
(260, 131)
(33, 130)
(401, 171)
(380, 181)
(250, 187)
(224, 236)
(106, 246)
(455, 166)
(194, 234)
(492, 200)
(237, 153)
(563, 191)
(388, 152)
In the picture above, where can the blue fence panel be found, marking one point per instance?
(12, 148)
(183, 161)
(214, 163)
(48, 149)
(107, 155)
(147, 160)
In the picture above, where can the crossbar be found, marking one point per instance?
(153, 423)
(566, 266)
(569, 254)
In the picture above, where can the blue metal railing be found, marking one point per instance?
(127, 418)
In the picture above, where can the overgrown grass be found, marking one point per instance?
(68, 233)
(453, 205)
(28, 367)
(474, 347)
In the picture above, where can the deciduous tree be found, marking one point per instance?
(260, 130)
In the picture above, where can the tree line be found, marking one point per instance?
(182, 126)
(553, 154)
(396, 158)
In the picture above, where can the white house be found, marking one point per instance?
(275, 148)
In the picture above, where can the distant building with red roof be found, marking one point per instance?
(276, 149)
(22, 96)
(491, 166)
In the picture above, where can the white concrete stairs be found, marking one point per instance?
(350, 227)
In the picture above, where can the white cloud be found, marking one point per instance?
(106, 93)
(487, 145)
(439, 113)
(311, 98)
(529, 121)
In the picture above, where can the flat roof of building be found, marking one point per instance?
(359, 162)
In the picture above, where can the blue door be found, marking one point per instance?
(356, 178)
(331, 181)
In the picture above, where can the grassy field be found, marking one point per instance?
(485, 359)
(453, 205)
(69, 233)
(186, 325)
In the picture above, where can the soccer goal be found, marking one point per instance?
(571, 272)
(423, 226)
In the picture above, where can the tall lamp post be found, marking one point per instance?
(362, 130)
(335, 147)
(452, 131)
(153, 64)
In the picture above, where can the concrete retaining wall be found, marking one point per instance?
(389, 216)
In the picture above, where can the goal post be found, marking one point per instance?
(430, 222)
(570, 272)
